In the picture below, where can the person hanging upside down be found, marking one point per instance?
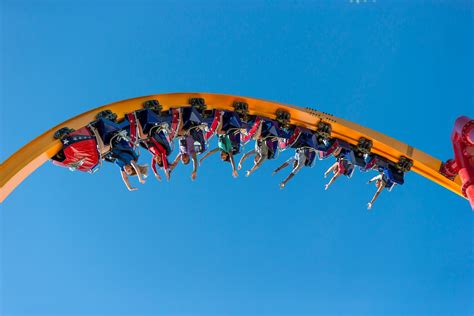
(382, 180)
(264, 149)
(159, 145)
(380, 183)
(304, 156)
(190, 138)
(122, 154)
(228, 141)
(341, 167)
(266, 144)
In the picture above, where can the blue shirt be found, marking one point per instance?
(123, 154)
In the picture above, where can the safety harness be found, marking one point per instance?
(215, 123)
(245, 138)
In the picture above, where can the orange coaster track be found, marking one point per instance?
(26, 160)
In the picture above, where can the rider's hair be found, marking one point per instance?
(143, 170)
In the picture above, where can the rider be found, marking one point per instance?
(158, 143)
(304, 141)
(382, 180)
(304, 156)
(190, 138)
(228, 142)
(341, 167)
(266, 145)
(121, 153)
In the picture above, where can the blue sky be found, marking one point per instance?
(79, 244)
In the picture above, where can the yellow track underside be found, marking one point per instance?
(26, 160)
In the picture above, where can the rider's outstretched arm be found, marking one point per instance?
(208, 154)
(153, 167)
(195, 166)
(138, 171)
(125, 180)
(232, 162)
(244, 157)
(175, 162)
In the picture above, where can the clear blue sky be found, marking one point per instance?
(79, 244)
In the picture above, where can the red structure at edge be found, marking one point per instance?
(463, 163)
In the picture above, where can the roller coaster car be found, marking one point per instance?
(356, 157)
(392, 173)
(375, 162)
(270, 128)
(393, 176)
(231, 120)
(150, 118)
(191, 117)
(333, 145)
(350, 152)
(108, 129)
(306, 138)
(79, 151)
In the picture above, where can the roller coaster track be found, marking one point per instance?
(30, 157)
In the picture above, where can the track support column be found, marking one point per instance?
(463, 163)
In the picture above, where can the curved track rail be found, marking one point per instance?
(26, 160)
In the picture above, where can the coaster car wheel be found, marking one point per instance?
(324, 130)
(62, 132)
(364, 146)
(198, 103)
(59, 156)
(283, 118)
(107, 114)
(404, 164)
(153, 105)
(241, 108)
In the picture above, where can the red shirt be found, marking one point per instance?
(157, 149)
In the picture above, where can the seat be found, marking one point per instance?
(107, 129)
(230, 120)
(149, 119)
(191, 117)
(79, 151)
